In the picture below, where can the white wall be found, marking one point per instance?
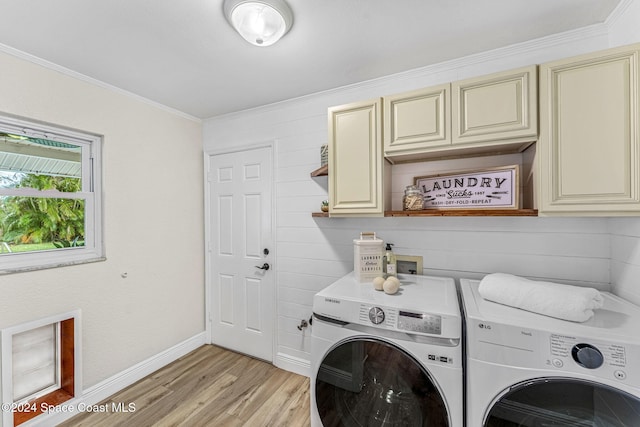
(625, 258)
(625, 232)
(153, 222)
(313, 252)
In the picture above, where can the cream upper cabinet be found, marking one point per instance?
(416, 120)
(497, 113)
(589, 147)
(356, 163)
(495, 108)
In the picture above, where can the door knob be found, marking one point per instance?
(264, 266)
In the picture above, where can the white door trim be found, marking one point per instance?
(207, 230)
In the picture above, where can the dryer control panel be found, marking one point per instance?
(402, 320)
(561, 353)
(589, 354)
(420, 322)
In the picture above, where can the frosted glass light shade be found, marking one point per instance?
(260, 22)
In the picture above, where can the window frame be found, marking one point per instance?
(91, 193)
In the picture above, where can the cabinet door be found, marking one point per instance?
(417, 120)
(355, 160)
(501, 106)
(589, 145)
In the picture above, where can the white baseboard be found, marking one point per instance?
(293, 364)
(110, 386)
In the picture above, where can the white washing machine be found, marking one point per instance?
(526, 369)
(387, 360)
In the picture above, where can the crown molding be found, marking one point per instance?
(617, 13)
(68, 72)
(535, 45)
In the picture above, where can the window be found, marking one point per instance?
(50, 196)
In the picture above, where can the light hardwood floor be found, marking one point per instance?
(210, 386)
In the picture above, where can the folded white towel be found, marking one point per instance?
(575, 303)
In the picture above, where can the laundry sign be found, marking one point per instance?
(487, 188)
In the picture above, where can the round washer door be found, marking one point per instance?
(554, 402)
(363, 381)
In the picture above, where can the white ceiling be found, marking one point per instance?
(184, 55)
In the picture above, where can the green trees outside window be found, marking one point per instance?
(40, 223)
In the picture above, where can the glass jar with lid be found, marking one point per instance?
(412, 199)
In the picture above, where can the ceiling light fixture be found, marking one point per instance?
(260, 22)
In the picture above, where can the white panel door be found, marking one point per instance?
(241, 288)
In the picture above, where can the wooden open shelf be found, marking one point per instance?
(324, 171)
(321, 171)
(465, 212)
(451, 212)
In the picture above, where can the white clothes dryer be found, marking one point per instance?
(387, 360)
(526, 369)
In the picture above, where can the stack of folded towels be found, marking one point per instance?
(574, 303)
